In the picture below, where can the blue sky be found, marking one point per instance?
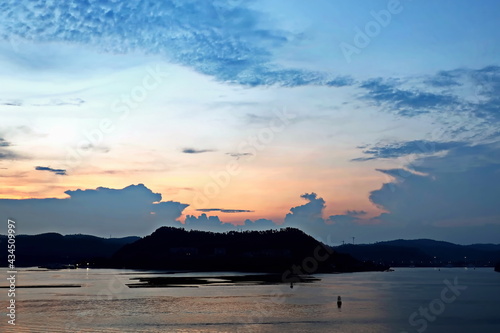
(374, 119)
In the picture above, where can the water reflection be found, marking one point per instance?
(377, 302)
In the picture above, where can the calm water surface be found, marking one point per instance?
(372, 302)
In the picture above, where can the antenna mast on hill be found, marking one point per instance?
(353, 240)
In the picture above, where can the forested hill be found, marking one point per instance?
(257, 251)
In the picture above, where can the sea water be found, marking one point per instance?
(405, 300)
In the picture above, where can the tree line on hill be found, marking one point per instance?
(263, 251)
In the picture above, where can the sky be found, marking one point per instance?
(375, 120)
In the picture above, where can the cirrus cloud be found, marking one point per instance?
(225, 40)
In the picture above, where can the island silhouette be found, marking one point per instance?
(170, 248)
(247, 251)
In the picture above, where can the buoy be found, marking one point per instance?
(339, 302)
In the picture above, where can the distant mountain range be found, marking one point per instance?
(53, 249)
(424, 252)
(271, 250)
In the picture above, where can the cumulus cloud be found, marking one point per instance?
(311, 212)
(334, 229)
(463, 184)
(260, 224)
(213, 223)
(348, 217)
(60, 172)
(133, 210)
(462, 208)
(458, 216)
(206, 223)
